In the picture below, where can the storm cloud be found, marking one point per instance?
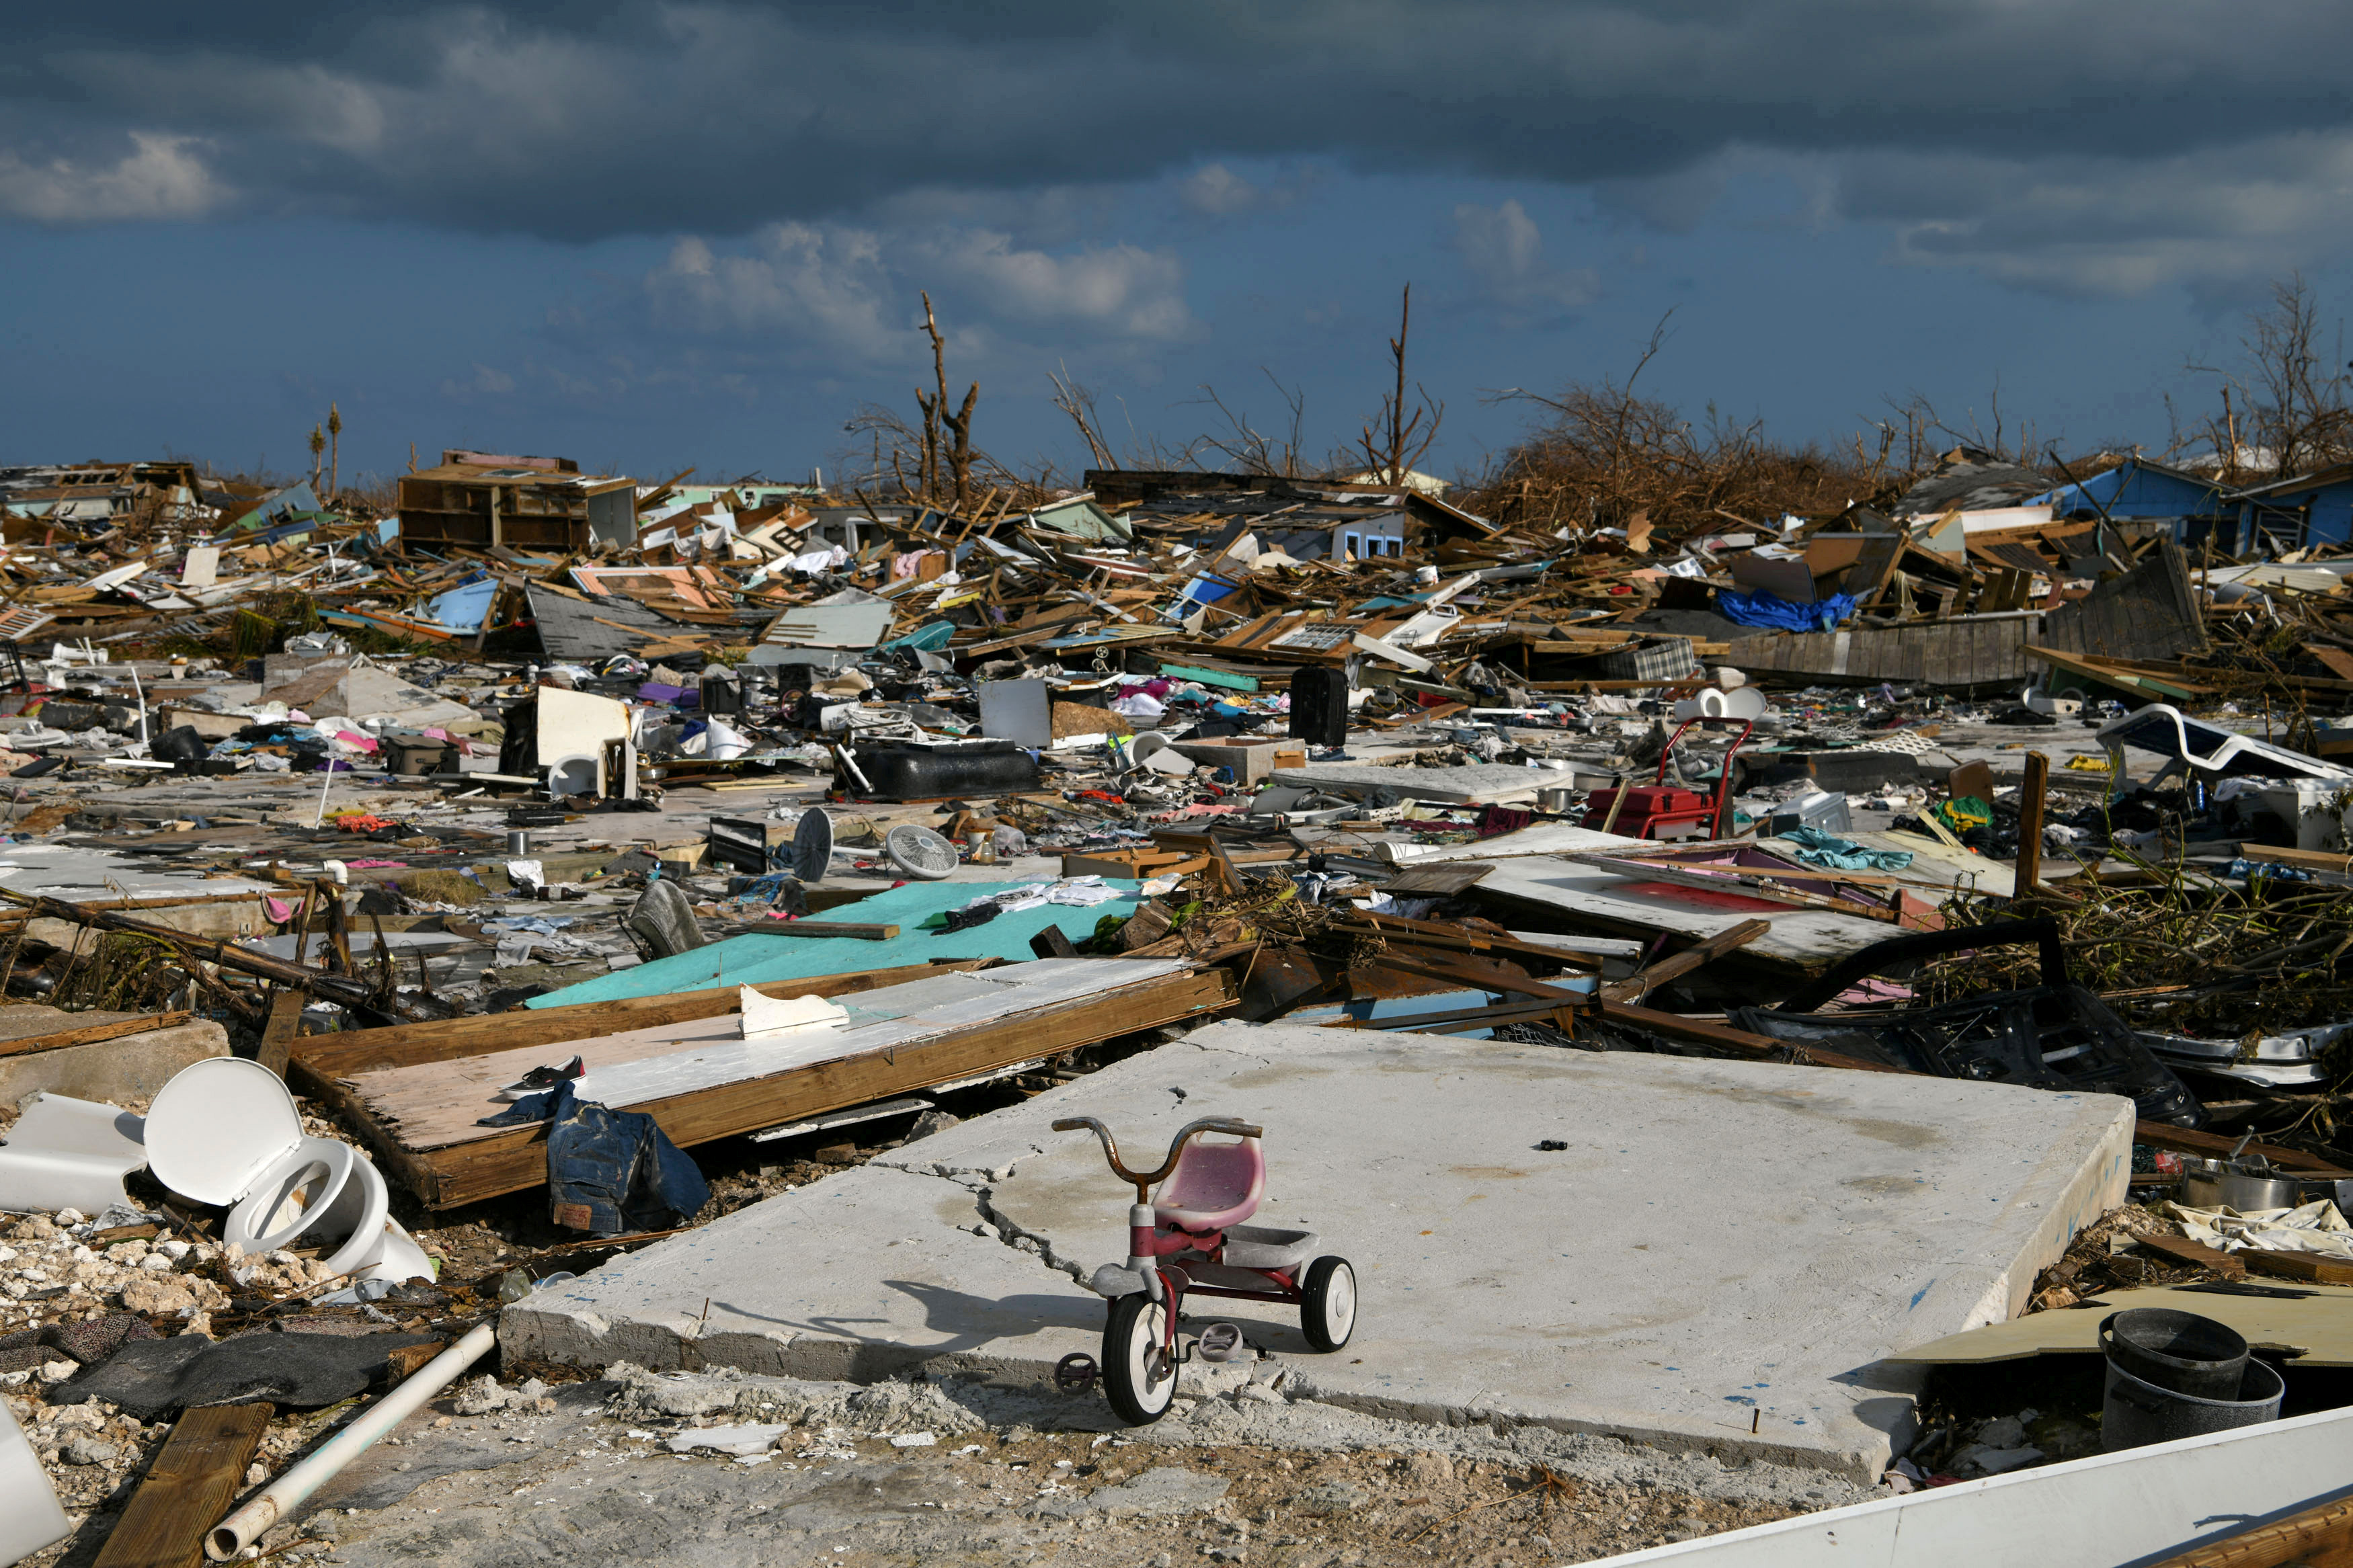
(2058, 144)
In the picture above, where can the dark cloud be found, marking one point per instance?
(579, 121)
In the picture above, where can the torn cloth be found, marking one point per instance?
(2316, 1226)
(1832, 853)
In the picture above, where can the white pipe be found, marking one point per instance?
(247, 1524)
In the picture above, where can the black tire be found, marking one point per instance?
(1328, 1315)
(1138, 1375)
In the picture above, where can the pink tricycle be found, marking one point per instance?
(1192, 1239)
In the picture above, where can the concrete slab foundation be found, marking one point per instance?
(1718, 1261)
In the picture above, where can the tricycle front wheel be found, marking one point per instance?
(1327, 1308)
(1139, 1375)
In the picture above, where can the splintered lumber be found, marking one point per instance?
(1641, 984)
(187, 1489)
(91, 1033)
(425, 1139)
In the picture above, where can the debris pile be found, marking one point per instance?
(577, 848)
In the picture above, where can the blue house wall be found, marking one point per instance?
(2134, 490)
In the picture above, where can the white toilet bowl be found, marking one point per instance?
(225, 1130)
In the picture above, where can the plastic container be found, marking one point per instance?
(2137, 1413)
(2177, 1351)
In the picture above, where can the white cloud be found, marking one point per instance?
(160, 177)
(1121, 288)
(486, 382)
(1214, 190)
(823, 284)
(1504, 250)
(852, 292)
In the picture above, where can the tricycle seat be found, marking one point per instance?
(1215, 1187)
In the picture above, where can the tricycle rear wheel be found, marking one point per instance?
(1327, 1307)
(1138, 1375)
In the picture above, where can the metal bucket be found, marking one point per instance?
(2178, 1352)
(2213, 1184)
(2137, 1413)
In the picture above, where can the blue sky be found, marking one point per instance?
(653, 236)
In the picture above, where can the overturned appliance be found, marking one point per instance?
(2056, 1034)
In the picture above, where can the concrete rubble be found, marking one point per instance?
(1699, 974)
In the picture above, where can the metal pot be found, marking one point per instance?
(2215, 1183)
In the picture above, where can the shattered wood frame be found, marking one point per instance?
(516, 1160)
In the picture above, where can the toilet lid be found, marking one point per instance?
(218, 1126)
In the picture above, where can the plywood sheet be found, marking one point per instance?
(2317, 1330)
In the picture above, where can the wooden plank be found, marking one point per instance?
(2319, 1537)
(516, 1160)
(1743, 881)
(91, 1033)
(187, 1489)
(285, 1027)
(848, 929)
(2310, 1267)
(448, 1039)
(2183, 1141)
(2181, 1249)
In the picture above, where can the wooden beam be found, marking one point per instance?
(2031, 795)
(91, 1033)
(1725, 1037)
(1641, 984)
(187, 1489)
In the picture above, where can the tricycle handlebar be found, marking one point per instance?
(1144, 1180)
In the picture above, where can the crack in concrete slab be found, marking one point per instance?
(1007, 1230)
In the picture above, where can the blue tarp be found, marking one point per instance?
(1762, 609)
(925, 639)
(759, 959)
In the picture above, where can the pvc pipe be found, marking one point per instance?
(285, 1494)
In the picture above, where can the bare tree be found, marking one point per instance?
(1079, 404)
(1244, 444)
(957, 486)
(2285, 408)
(1393, 454)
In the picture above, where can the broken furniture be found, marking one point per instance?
(1661, 810)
